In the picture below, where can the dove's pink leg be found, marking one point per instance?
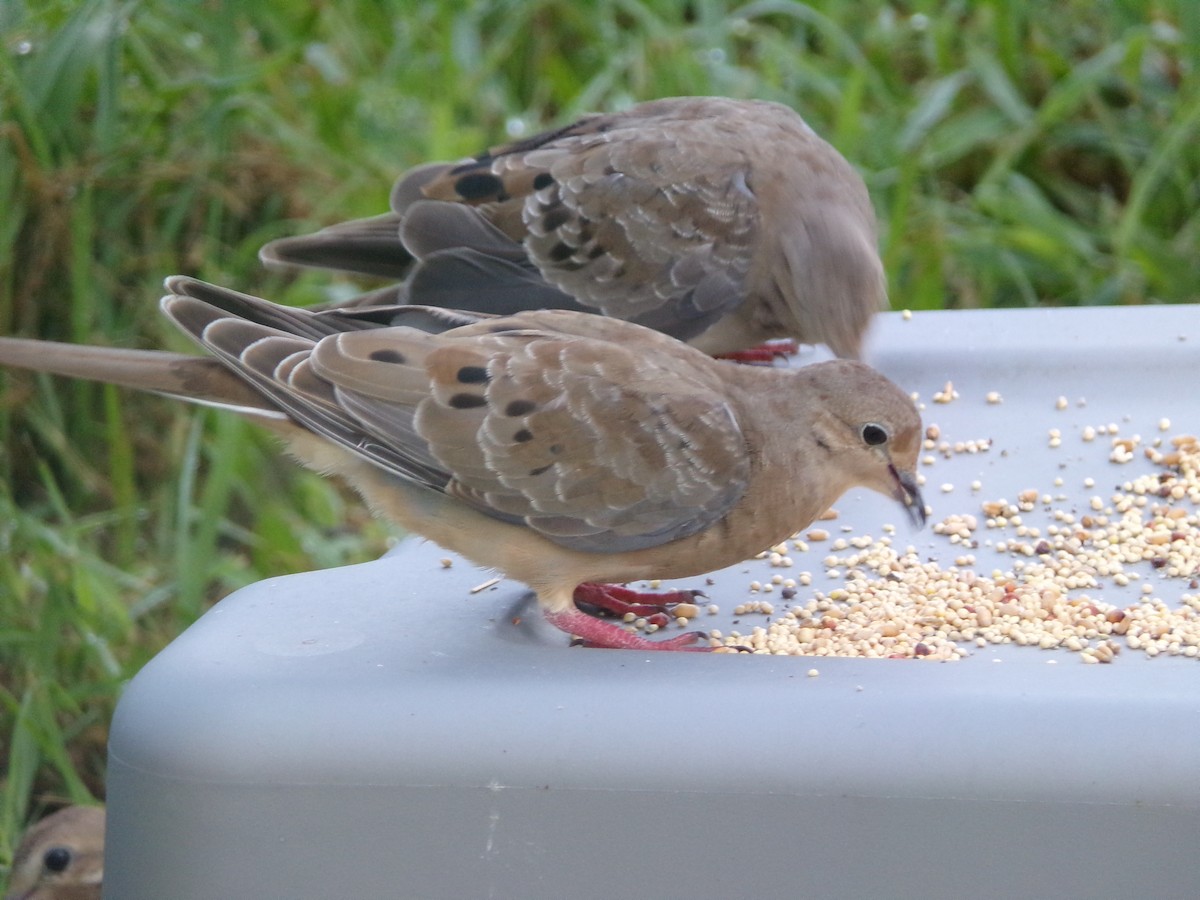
(595, 633)
(621, 600)
(763, 353)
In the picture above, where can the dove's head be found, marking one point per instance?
(872, 430)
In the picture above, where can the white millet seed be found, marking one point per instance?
(893, 604)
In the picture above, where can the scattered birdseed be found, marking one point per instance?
(1061, 403)
(813, 673)
(446, 562)
(946, 394)
(892, 602)
(1122, 451)
(906, 314)
(994, 398)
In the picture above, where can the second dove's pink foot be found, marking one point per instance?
(763, 353)
(593, 632)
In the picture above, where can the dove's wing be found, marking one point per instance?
(647, 217)
(590, 443)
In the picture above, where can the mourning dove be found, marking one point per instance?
(564, 450)
(61, 857)
(724, 223)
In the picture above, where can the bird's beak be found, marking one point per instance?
(909, 495)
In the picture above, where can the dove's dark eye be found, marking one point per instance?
(874, 435)
(56, 859)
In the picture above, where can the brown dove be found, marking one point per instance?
(724, 223)
(61, 857)
(564, 450)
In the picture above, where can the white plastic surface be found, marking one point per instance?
(381, 731)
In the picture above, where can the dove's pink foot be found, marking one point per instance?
(622, 600)
(593, 632)
(763, 353)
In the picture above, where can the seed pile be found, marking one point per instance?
(894, 604)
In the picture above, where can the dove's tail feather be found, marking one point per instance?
(362, 247)
(193, 378)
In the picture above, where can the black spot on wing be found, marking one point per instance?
(555, 217)
(561, 251)
(478, 186)
(534, 473)
(520, 408)
(523, 435)
(467, 401)
(387, 356)
(472, 375)
(542, 180)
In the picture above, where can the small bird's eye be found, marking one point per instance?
(56, 859)
(874, 435)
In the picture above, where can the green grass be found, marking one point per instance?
(1017, 157)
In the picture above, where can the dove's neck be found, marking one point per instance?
(794, 475)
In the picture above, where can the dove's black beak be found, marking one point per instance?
(909, 495)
